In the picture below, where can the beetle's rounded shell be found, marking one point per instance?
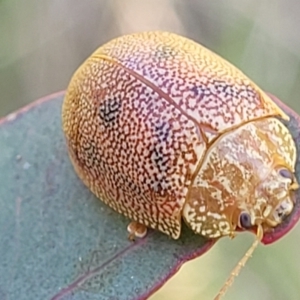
(140, 114)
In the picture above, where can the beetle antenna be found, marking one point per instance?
(235, 272)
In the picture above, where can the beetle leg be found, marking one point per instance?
(136, 230)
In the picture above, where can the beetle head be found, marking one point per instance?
(275, 199)
(246, 181)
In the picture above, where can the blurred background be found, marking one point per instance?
(42, 43)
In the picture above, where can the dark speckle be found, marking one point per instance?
(109, 110)
(198, 91)
(163, 131)
(159, 154)
(164, 52)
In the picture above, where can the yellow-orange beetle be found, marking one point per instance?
(160, 129)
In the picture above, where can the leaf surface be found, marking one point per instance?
(58, 241)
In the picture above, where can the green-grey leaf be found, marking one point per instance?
(57, 240)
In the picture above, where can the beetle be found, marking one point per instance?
(163, 130)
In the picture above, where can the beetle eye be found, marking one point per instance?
(245, 220)
(286, 173)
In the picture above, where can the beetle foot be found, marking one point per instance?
(136, 230)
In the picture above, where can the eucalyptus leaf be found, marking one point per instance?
(58, 241)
